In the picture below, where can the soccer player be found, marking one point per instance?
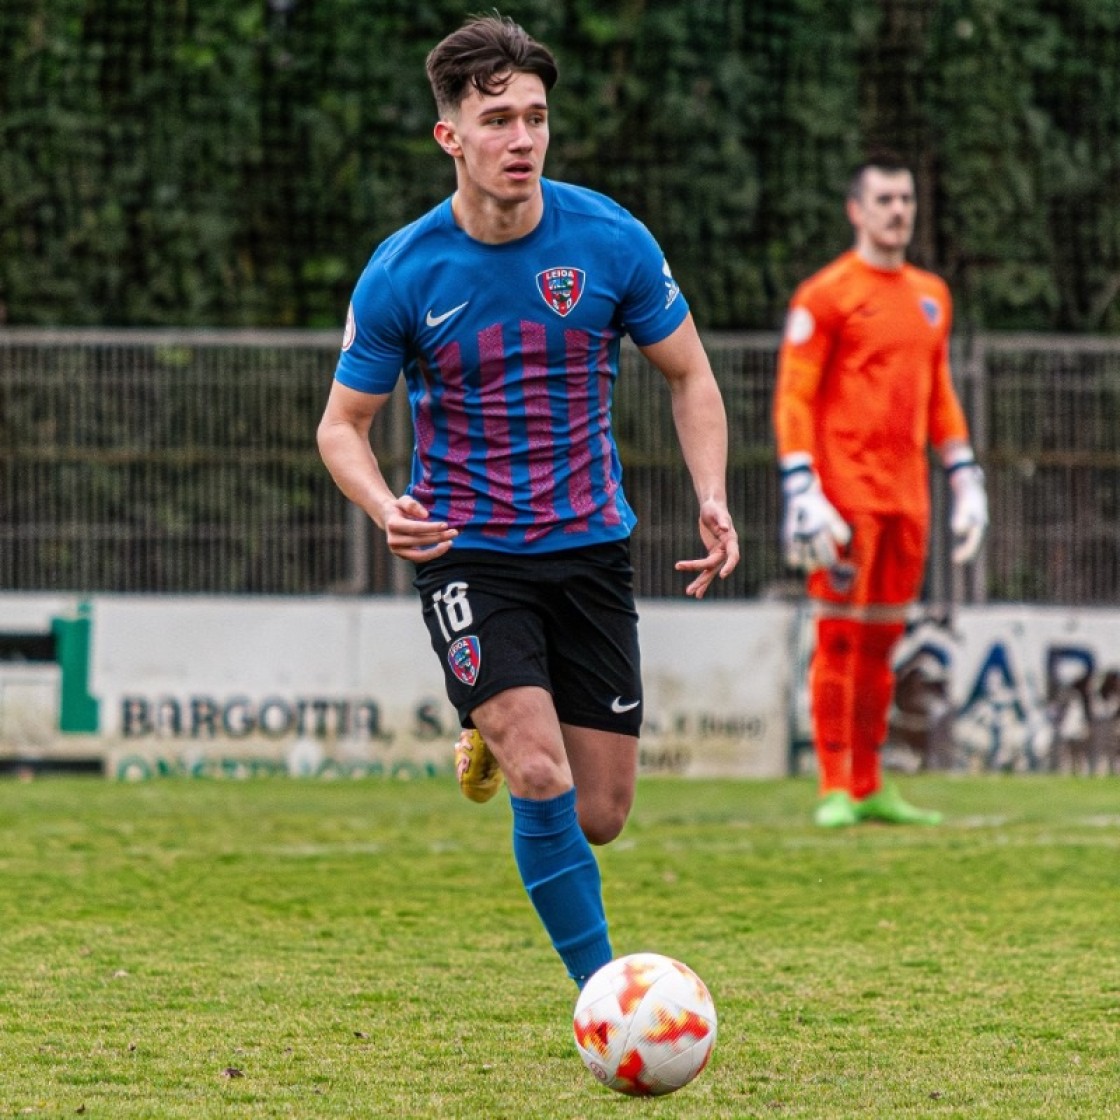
(505, 306)
(864, 388)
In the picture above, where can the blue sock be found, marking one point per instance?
(561, 874)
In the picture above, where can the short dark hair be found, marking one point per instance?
(483, 55)
(883, 160)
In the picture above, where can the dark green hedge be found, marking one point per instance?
(221, 162)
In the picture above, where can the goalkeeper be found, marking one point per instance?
(864, 388)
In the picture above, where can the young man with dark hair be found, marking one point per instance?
(505, 306)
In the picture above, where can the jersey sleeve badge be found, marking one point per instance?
(672, 288)
(351, 329)
(800, 325)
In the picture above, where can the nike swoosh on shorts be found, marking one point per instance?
(618, 707)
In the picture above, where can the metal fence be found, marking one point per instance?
(185, 461)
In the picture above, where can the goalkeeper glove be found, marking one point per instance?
(968, 519)
(812, 530)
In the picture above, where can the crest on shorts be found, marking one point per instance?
(931, 309)
(561, 287)
(465, 656)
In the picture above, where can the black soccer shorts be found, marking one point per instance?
(563, 621)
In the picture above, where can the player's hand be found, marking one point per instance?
(717, 531)
(969, 517)
(410, 533)
(813, 532)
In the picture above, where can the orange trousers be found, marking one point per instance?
(861, 606)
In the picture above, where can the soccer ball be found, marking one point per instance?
(645, 1025)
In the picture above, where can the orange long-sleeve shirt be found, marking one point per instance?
(864, 385)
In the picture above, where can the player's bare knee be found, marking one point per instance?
(602, 824)
(537, 776)
(597, 833)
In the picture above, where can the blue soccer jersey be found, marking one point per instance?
(510, 353)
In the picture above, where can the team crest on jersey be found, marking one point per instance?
(561, 287)
(465, 656)
(931, 309)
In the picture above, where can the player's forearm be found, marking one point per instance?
(701, 422)
(793, 423)
(352, 464)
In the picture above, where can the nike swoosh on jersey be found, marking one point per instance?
(435, 320)
(618, 707)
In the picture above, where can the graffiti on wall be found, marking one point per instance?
(1013, 715)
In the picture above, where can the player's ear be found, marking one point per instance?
(447, 138)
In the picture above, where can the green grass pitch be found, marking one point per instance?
(296, 948)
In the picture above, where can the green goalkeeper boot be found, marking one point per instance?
(835, 810)
(888, 806)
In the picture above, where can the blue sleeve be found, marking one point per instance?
(375, 344)
(653, 306)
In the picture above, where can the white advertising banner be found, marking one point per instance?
(29, 688)
(335, 686)
(233, 685)
(717, 688)
(194, 684)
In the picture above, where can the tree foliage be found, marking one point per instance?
(226, 162)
